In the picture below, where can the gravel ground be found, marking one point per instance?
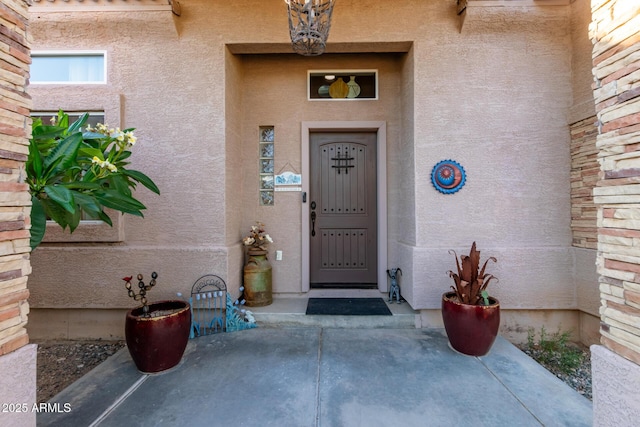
(579, 379)
(60, 363)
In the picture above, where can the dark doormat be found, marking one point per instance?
(348, 306)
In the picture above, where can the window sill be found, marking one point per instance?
(88, 231)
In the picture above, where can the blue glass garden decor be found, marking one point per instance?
(448, 176)
(238, 319)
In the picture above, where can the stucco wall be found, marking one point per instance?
(494, 97)
(234, 102)
(275, 93)
(615, 389)
(174, 96)
(402, 184)
(583, 105)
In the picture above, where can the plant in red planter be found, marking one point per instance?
(157, 333)
(471, 317)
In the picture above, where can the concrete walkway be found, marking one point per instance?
(328, 377)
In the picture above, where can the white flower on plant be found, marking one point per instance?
(116, 134)
(130, 138)
(248, 241)
(104, 164)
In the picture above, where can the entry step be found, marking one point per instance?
(286, 311)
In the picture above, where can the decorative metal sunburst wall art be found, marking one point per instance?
(448, 176)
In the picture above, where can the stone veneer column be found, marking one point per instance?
(615, 33)
(584, 175)
(17, 356)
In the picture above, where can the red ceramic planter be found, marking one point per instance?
(471, 329)
(157, 343)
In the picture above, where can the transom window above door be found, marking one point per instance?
(342, 85)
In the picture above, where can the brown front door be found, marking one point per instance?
(343, 222)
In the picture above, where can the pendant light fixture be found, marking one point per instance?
(309, 24)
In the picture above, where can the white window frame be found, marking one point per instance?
(69, 53)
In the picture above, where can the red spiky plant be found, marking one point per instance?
(471, 281)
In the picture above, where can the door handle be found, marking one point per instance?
(313, 219)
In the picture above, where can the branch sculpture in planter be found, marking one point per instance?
(471, 317)
(157, 333)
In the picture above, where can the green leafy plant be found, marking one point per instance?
(470, 281)
(554, 351)
(71, 172)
